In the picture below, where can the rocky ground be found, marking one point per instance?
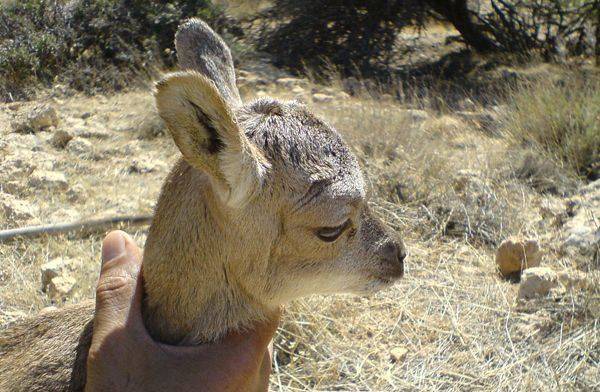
(451, 182)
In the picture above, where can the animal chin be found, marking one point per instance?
(375, 284)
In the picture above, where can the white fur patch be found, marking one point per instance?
(245, 173)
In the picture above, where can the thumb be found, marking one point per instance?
(118, 293)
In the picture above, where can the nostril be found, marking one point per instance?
(401, 254)
(394, 252)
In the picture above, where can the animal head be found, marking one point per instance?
(292, 188)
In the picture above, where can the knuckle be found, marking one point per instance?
(111, 288)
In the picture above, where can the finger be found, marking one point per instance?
(263, 332)
(264, 373)
(253, 341)
(246, 344)
(118, 292)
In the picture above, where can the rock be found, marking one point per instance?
(60, 139)
(322, 98)
(145, 165)
(49, 180)
(43, 117)
(38, 119)
(291, 82)
(53, 269)
(298, 90)
(514, 256)
(250, 78)
(529, 325)
(23, 141)
(416, 115)
(93, 133)
(65, 215)
(538, 282)
(15, 209)
(151, 127)
(18, 164)
(14, 106)
(398, 354)
(47, 309)
(573, 279)
(61, 287)
(342, 96)
(582, 230)
(76, 193)
(80, 147)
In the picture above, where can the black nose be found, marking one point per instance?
(394, 253)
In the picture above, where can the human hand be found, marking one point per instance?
(123, 356)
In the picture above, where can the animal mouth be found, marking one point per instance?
(388, 279)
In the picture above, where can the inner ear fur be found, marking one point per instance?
(204, 129)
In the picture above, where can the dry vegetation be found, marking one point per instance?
(456, 184)
(445, 183)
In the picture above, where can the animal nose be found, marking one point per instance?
(394, 254)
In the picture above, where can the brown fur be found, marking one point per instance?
(240, 228)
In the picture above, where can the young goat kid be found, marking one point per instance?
(267, 205)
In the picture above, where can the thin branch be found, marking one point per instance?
(88, 226)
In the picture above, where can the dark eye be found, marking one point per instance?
(330, 234)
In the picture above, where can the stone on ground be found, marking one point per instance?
(322, 98)
(291, 82)
(514, 256)
(398, 354)
(15, 209)
(49, 180)
(39, 118)
(81, 147)
(573, 279)
(61, 287)
(582, 230)
(60, 138)
(54, 268)
(146, 165)
(538, 282)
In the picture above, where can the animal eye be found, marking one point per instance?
(330, 234)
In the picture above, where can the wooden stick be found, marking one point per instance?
(94, 225)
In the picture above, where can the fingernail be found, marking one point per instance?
(113, 246)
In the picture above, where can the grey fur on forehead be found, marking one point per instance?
(293, 137)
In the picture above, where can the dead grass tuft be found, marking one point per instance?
(561, 118)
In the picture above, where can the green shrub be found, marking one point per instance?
(562, 118)
(92, 44)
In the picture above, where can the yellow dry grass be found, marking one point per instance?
(444, 184)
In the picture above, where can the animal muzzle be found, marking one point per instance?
(393, 254)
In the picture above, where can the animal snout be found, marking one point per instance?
(394, 253)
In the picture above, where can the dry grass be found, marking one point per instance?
(562, 118)
(444, 184)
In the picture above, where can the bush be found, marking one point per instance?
(354, 35)
(92, 43)
(562, 118)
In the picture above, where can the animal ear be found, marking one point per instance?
(204, 129)
(200, 49)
